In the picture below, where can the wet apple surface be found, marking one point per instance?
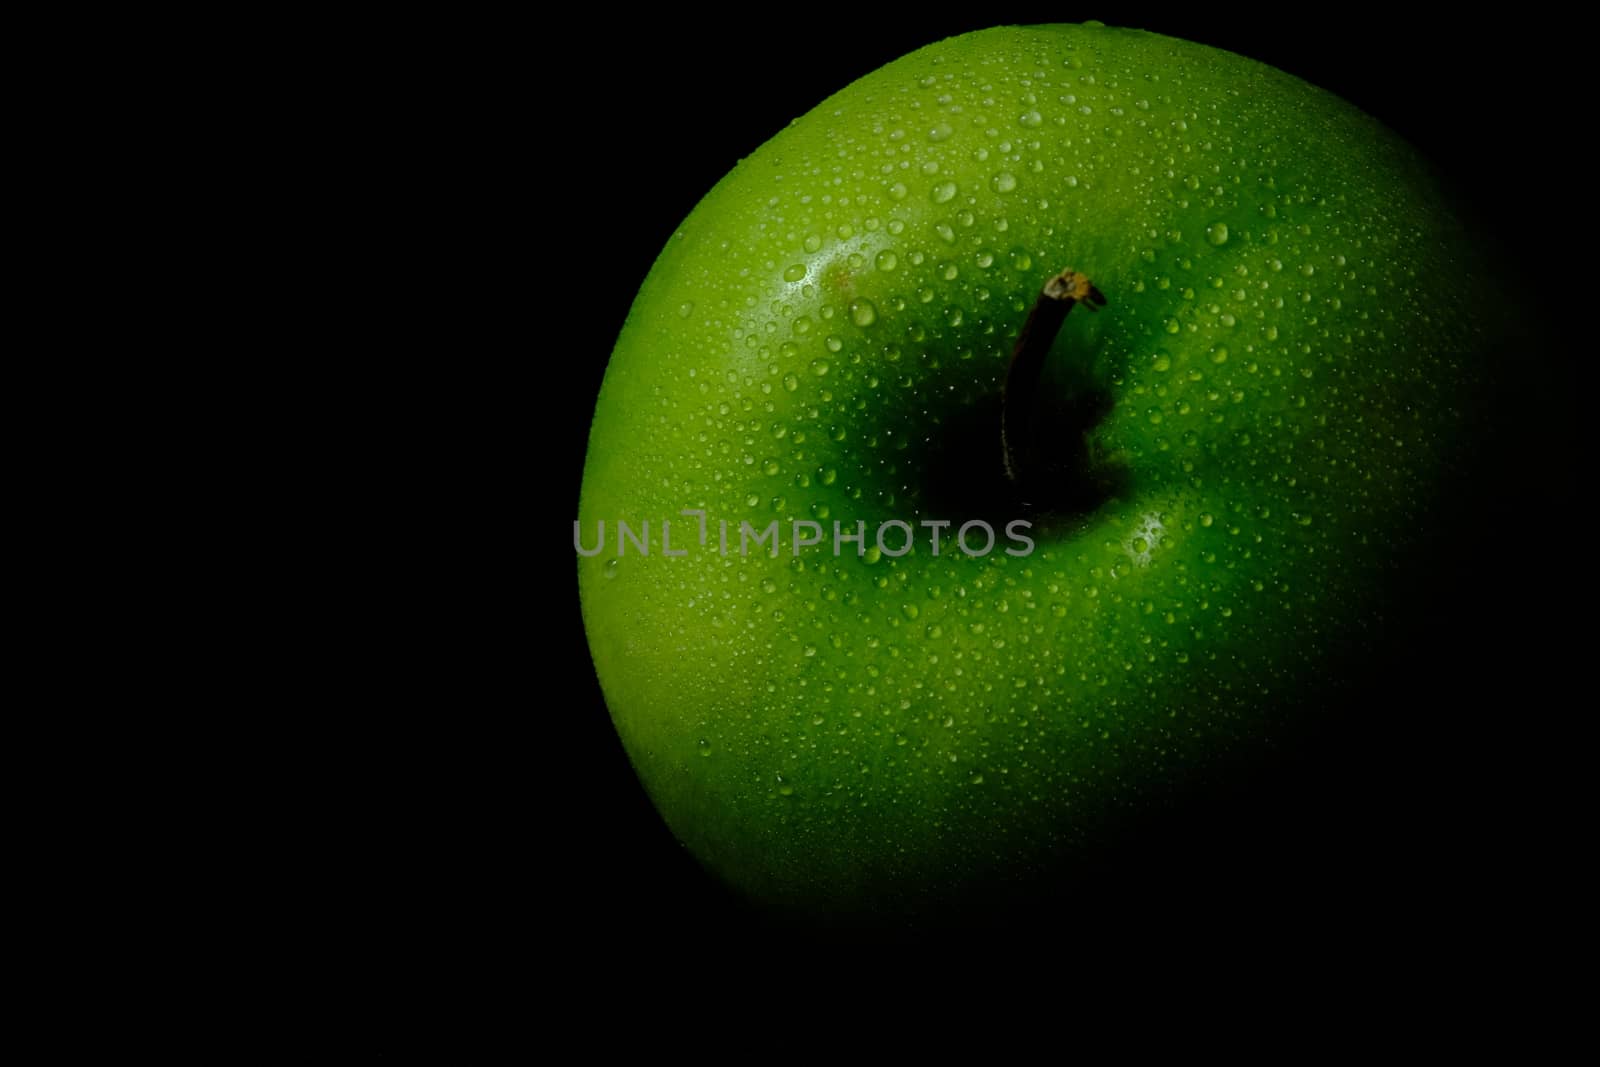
(1293, 324)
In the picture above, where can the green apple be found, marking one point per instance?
(1228, 457)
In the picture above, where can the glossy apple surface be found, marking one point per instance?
(1291, 336)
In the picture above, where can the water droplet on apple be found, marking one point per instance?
(910, 611)
(685, 309)
(790, 382)
(898, 190)
(795, 273)
(610, 569)
(941, 132)
(944, 192)
(1004, 182)
(886, 261)
(1021, 260)
(1219, 354)
(862, 313)
(1031, 118)
(812, 242)
(1217, 233)
(704, 747)
(820, 367)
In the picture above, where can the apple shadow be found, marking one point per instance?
(1059, 476)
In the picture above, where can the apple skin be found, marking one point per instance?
(1296, 326)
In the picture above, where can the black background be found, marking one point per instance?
(512, 836)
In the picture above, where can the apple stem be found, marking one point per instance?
(1018, 400)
